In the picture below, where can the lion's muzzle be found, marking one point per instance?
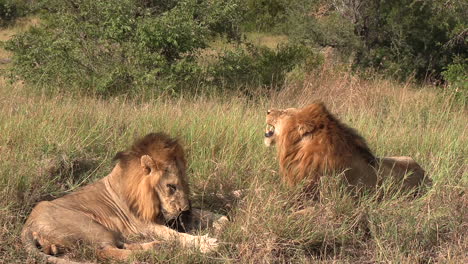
(270, 131)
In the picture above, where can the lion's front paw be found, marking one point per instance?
(206, 243)
(220, 223)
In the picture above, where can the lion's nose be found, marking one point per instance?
(269, 134)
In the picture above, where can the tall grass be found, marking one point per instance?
(51, 145)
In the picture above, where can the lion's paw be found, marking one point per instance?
(206, 244)
(220, 223)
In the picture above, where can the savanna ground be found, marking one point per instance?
(52, 145)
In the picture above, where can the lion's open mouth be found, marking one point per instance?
(270, 130)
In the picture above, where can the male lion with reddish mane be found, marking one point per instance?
(146, 188)
(311, 143)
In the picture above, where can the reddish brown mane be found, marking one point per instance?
(314, 142)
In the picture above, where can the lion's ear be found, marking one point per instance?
(305, 128)
(148, 164)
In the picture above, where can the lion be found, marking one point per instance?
(146, 189)
(312, 142)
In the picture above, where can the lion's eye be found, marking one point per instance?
(172, 188)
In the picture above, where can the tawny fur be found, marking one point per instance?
(147, 187)
(311, 143)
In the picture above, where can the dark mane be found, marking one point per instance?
(360, 144)
(158, 146)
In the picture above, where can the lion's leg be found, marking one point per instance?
(47, 247)
(142, 246)
(114, 253)
(53, 224)
(203, 243)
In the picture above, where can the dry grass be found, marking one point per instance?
(52, 145)
(20, 25)
(220, 45)
(266, 40)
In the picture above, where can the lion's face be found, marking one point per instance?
(173, 193)
(275, 120)
(170, 185)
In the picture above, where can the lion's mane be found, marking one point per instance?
(313, 143)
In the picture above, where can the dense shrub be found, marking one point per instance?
(104, 47)
(408, 37)
(265, 15)
(261, 66)
(402, 38)
(315, 24)
(10, 10)
(456, 73)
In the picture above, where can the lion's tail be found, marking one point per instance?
(31, 245)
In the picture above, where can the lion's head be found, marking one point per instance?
(311, 142)
(154, 179)
(275, 120)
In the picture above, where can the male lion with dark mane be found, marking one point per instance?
(146, 188)
(311, 143)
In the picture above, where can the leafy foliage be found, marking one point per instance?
(408, 37)
(264, 15)
(10, 10)
(261, 66)
(317, 24)
(103, 47)
(457, 73)
(106, 48)
(402, 38)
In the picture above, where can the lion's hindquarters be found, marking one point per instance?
(62, 227)
(361, 174)
(403, 170)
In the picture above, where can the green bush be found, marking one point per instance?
(10, 10)
(402, 38)
(407, 37)
(105, 48)
(456, 74)
(331, 29)
(265, 15)
(261, 66)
